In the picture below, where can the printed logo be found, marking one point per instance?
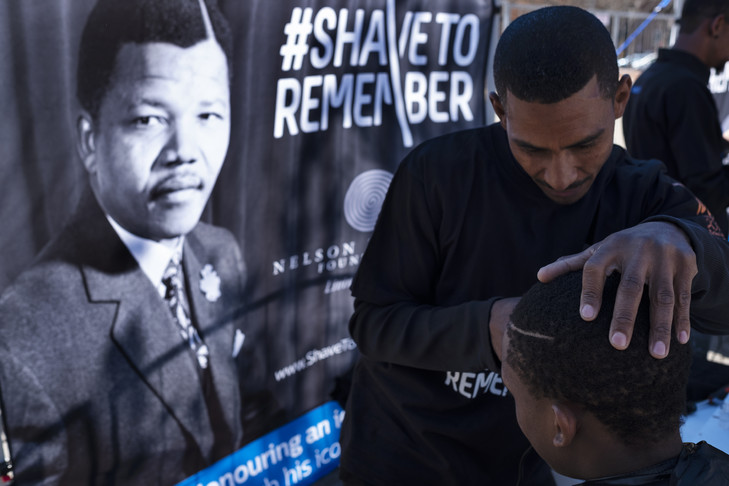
(359, 39)
(364, 199)
(314, 356)
(709, 220)
(323, 260)
(471, 385)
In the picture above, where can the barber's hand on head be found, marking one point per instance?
(656, 254)
(500, 315)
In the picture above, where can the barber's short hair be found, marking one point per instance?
(113, 23)
(548, 55)
(559, 356)
(695, 11)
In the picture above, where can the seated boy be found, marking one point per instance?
(595, 413)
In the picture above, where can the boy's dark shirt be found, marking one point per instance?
(698, 464)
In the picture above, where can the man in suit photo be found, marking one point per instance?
(121, 347)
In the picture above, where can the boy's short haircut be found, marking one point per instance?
(559, 356)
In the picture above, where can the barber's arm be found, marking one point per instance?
(657, 254)
(425, 336)
(677, 252)
(396, 317)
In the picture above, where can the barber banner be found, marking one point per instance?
(327, 97)
(301, 452)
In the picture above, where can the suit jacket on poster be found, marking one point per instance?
(97, 385)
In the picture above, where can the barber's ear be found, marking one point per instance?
(622, 94)
(565, 425)
(85, 144)
(717, 23)
(498, 108)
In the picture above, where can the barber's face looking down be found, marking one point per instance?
(562, 146)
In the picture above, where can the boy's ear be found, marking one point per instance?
(565, 424)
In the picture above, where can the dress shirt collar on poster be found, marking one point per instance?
(152, 256)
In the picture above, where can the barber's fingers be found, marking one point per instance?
(565, 264)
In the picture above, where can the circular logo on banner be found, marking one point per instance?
(364, 199)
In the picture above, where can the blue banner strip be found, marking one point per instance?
(301, 452)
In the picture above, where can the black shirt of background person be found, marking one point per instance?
(672, 116)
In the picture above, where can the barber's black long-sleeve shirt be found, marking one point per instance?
(672, 116)
(463, 224)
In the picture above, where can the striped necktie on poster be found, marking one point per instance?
(176, 299)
